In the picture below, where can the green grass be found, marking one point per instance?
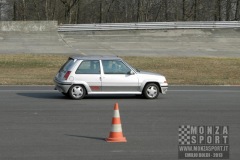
(30, 69)
(192, 70)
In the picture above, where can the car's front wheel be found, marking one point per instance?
(77, 92)
(151, 91)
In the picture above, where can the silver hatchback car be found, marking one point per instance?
(87, 75)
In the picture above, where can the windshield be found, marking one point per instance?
(135, 69)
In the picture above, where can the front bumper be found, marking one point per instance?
(164, 89)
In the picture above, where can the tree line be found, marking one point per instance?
(120, 11)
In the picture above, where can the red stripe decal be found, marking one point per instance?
(95, 88)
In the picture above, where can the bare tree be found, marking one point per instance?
(138, 10)
(195, 9)
(68, 4)
(184, 10)
(166, 9)
(111, 11)
(237, 16)
(100, 11)
(217, 12)
(24, 8)
(228, 10)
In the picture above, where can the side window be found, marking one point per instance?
(89, 67)
(115, 67)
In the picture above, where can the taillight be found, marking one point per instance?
(67, 75)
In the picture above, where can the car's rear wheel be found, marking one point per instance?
(151, 91)
(77, 92)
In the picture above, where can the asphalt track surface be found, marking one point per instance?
(37, 122)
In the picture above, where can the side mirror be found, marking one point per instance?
(131, 72)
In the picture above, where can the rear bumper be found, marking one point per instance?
(62, 87)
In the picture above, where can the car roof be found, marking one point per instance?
(96, 57)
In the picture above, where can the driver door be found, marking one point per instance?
(117, 77)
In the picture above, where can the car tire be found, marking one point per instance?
(151, 91)
(77, 92)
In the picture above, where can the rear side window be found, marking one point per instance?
(89, 67)
(67, 65)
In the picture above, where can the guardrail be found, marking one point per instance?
(148, 25)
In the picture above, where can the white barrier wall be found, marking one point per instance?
(28, 26)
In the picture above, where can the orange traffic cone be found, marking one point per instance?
(116, 134)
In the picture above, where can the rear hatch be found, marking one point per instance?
(65, 70)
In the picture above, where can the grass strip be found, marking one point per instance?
(37, 69)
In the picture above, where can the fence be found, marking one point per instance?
(147, 25)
